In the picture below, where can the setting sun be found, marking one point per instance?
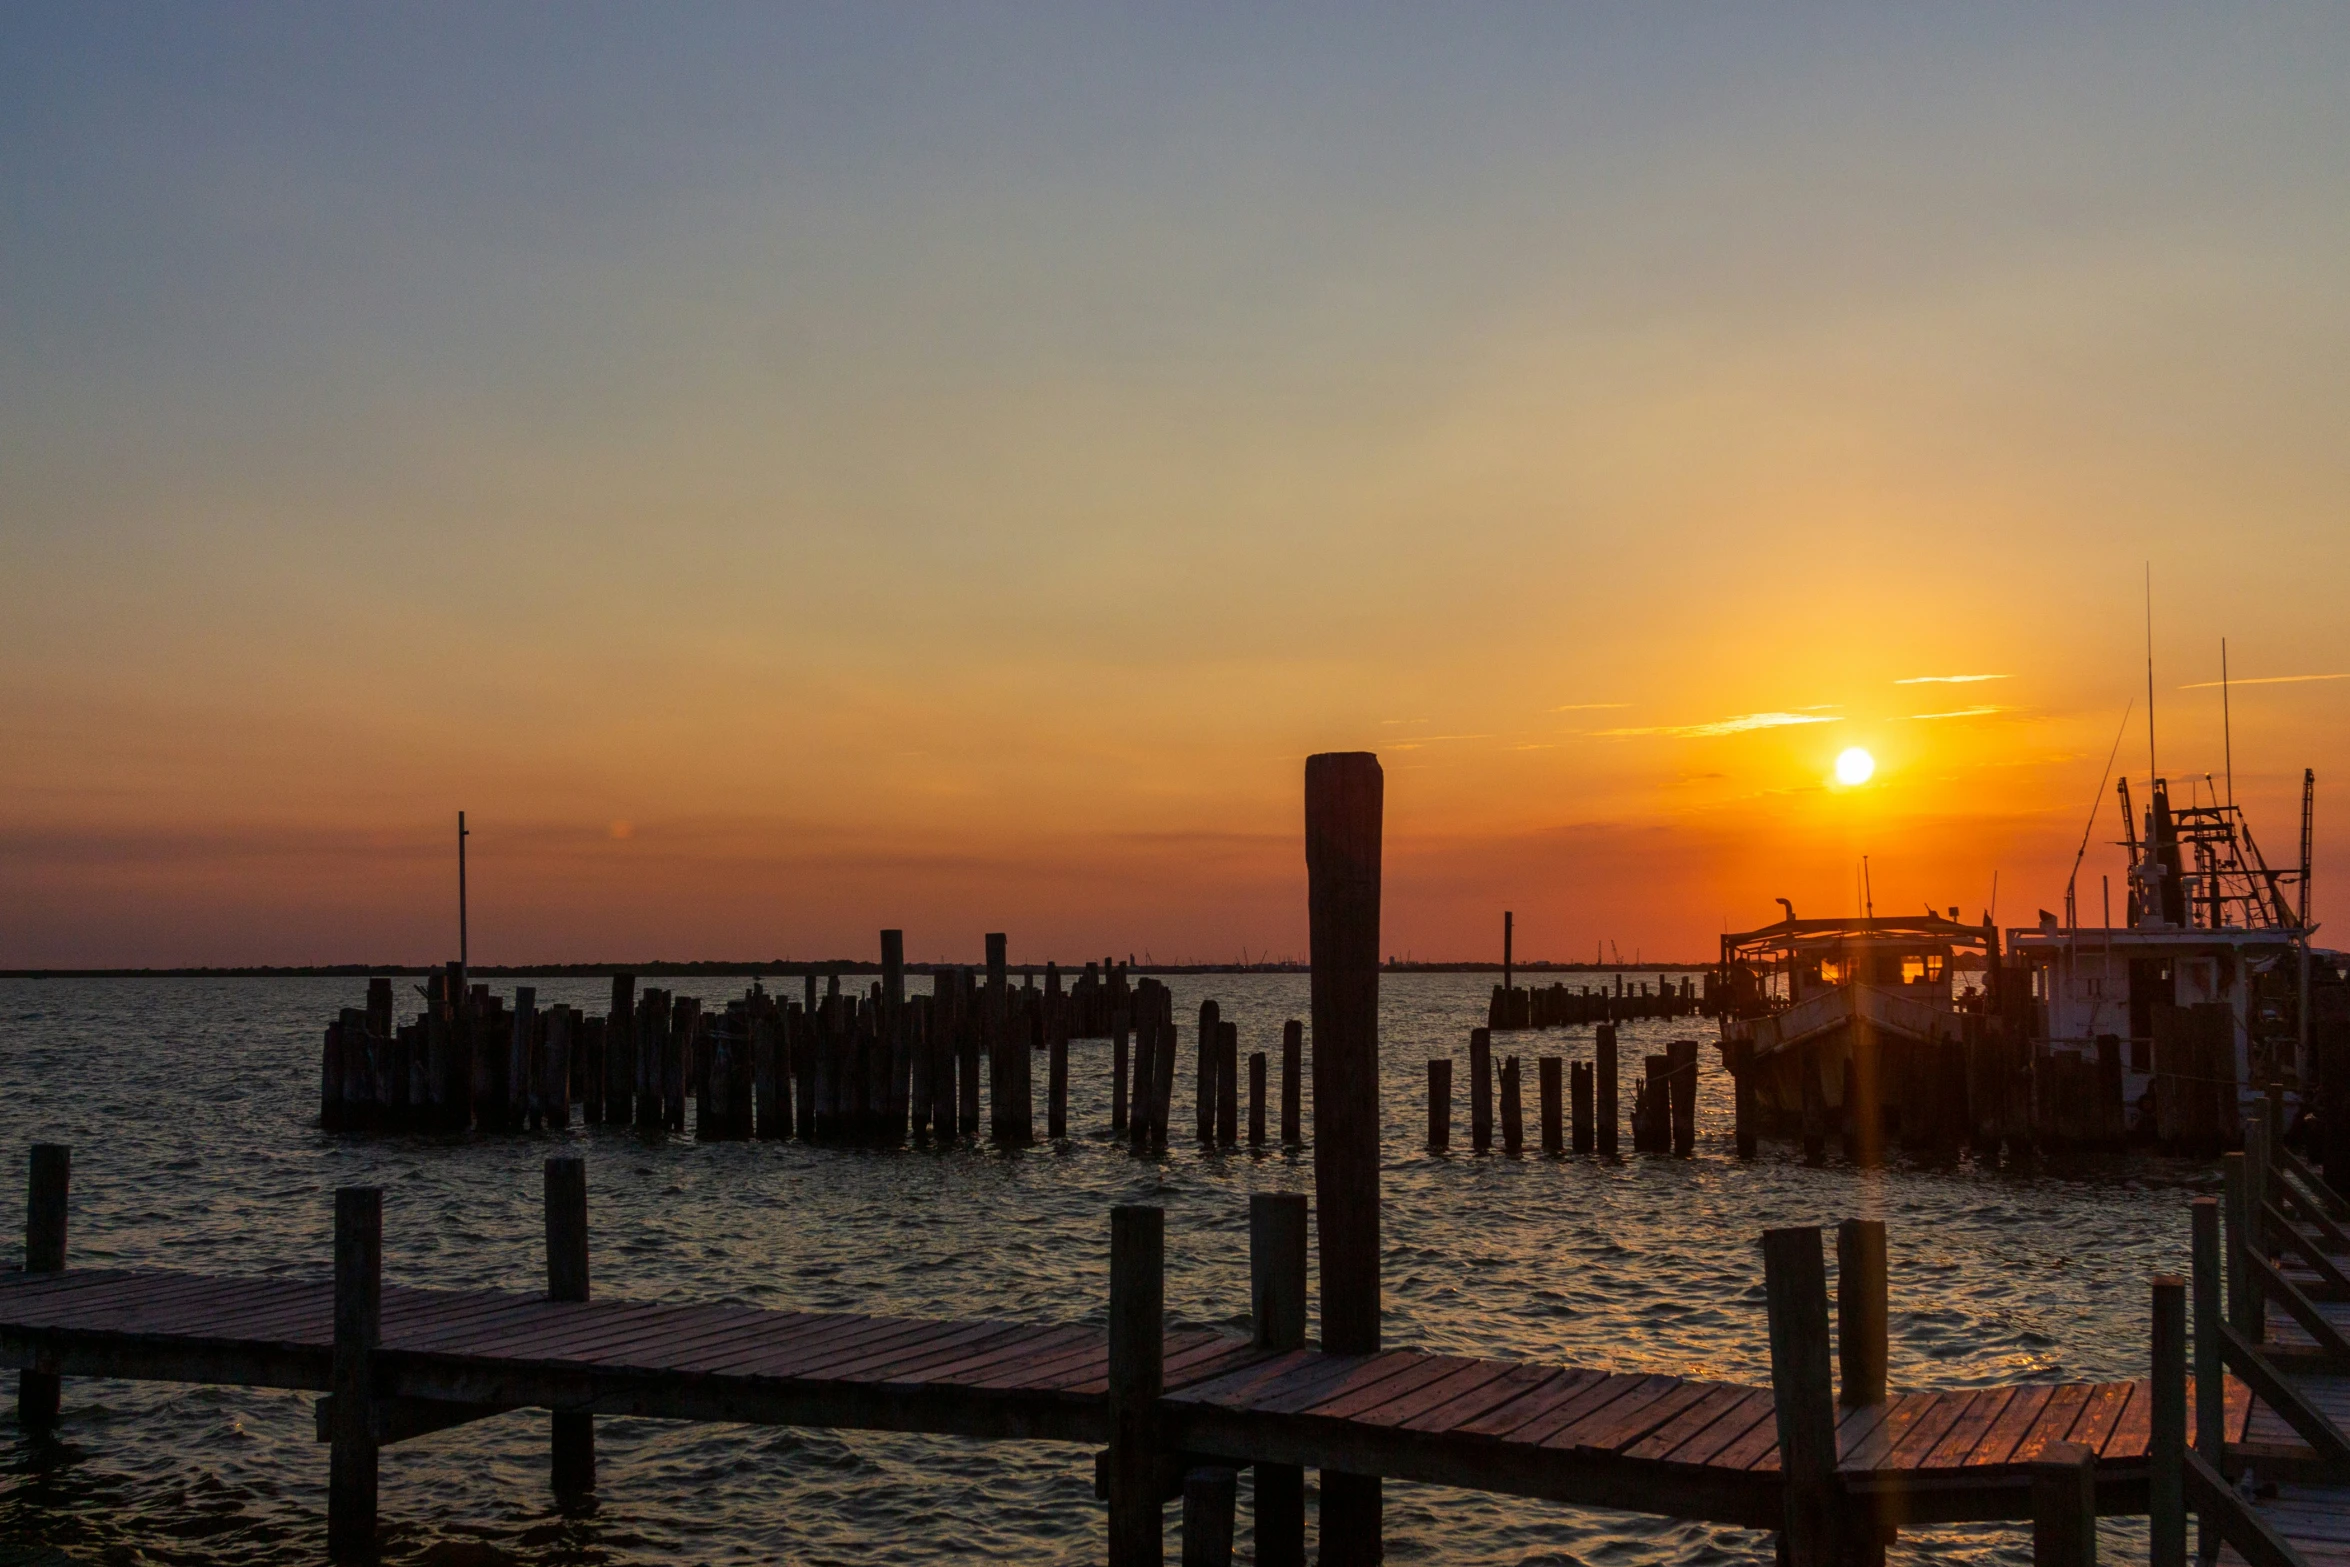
(1855, 766)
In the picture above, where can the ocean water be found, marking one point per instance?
(191, 1108)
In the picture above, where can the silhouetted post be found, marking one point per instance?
(1513, 1121)
(1604, 1066)
(1211, 1048)
(1345, 795)
(351, 1484)
(2241, 1299)
(1277, 1314)
(2210, 1395)
(1579, 1080)
(893, 967)
(1121, 1032)
(1861, 1311)
(1293, 1052)
(1439, 1103)
(40, 1394)
(1795, 1287)
(1137, 1342)
(1553, 1131)
(1509, 930)
(2064, 1506)
(1681, 1094)
(2166, 1448)
(1480, 1090)
(1227, 1085)
(1256, 1099)
(567, 1280)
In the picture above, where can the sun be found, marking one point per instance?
(1855, 766)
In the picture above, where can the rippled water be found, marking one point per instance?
(191, 1106)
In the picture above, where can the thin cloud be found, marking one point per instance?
(1964, 712)
(1728, 726)
(1587, 707)
(1948, 680)
(2264, 680)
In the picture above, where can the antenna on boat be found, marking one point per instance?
(2072, 881)
(462, 953)
(2227, 737)
(2151, 769)
(1868, 894)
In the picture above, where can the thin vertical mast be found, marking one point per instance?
(2151, 769)
(2227, 737)
(463, 954)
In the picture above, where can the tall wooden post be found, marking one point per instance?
(1277, 1313)
(2064, 1506)
(893, 967)
(567, 1280)
(1345, 804)
(1293, 1051)
(1861, 1342)
(1211, 1051)
(39, 1394)
(2243, 1302)
(1227, 1085)
(1480, 1090)
(1795, 1285)
(1579, 1083)
(1136, 1378)
(1439, 1103)
(1604, 1065)
(2210, 1400)
(351, 1488)
(1554, 1140)
(2166, 1451)
(1509, 931)
(1513, 1121)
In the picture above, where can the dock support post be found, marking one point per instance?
(1277, 1313)
(39, 1394)
(2064, 1506)
(1211, 1050)
(1136, 1375)
(1345, 799)
(1795, 1287)
(1208, 1499)
(574, 1434)
(1554, 1141)
(2166, 1451)
(2243, 1313)
(1439, 1103)
(1256, 1099)
(1579, 1083)
(1861, 1311)
(1480, 1090)
(1056, 1102)
(2210, 1388)
(1513, 1119)
(1603, 1065)
(351, 1488)
(1293, 1053)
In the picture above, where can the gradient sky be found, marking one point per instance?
(788, 471)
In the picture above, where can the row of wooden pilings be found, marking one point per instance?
(1556, 1006)
(1579, 1105)
(879, 1069)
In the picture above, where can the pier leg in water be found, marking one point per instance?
(1136, 1377)
(1277, 1313)
(1580, 1074)
(1553, 1133)
(1480, 1090)
(1345, 797)
(1513, 1121)
(1208, 1499)
(1056, 1112)
(2210, 1409)
(2064, 1506)
(1228, 1085)
(567, 1280)
(1795, 1288)
(351, 1483)
(1861, 1312)
(39, 1393)
(1293, 1051)
(2166, 1446)
(1439, 1103)
(1604, 1066)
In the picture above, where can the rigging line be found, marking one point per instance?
(2151, 770)
(2227, 737)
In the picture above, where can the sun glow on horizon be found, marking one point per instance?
(1855, 766)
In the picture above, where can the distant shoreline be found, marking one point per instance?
(787, 967)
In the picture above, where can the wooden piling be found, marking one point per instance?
(1227, 1085)
(39, 1394)
(1681, 1094)
(2166, 1449)
(1056, 1109)
(1861, 1312)
(574, 1433)
(1580, 1081)
(1604, 1108)
(1439, 1103)
(1210, 1492)
(1553, 1129)
(1121, 1035)
(1210, 1045)
(1277, 1317)
(2210, 1399)
(358, 1330)
(1480, 1090)
(1146, 1069)
(2242, 1315)
(1513, 1125)
(2064, 1506)
(1256, 1099)
(1136, 1377)
(1293, 1034)
(1795, 1286)
(1344, 804)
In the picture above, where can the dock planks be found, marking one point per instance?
(1689, 1447)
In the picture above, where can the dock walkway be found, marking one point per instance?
(1681, 1446)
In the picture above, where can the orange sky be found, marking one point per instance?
(853, 475)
